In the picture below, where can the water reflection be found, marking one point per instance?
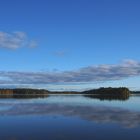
(125, 118)
(68, 117)
(23, 96)
(108, 97)
(95, 96)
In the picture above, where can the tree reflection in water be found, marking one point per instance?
(108, 97)
(23, 96)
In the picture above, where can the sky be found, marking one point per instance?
(70, 44)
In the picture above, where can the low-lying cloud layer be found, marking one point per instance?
(15, 40)
(100, 73)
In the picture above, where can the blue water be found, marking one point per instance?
(69, 117)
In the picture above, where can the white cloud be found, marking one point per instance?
(15, 40)
(100, 73)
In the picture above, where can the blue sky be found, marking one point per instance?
(62, 38)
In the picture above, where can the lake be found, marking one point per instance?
(69, 117)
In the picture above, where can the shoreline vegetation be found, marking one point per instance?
(100, 91)
(109, 93)
(121, 93)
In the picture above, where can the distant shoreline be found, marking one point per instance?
(121, 93)
(100, 91)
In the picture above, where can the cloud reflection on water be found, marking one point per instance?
(98, 114)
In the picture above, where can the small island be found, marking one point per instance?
(121, 93)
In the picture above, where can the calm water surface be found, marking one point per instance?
(69, 117)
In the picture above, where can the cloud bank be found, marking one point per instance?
(100, 73)
(15, 40)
